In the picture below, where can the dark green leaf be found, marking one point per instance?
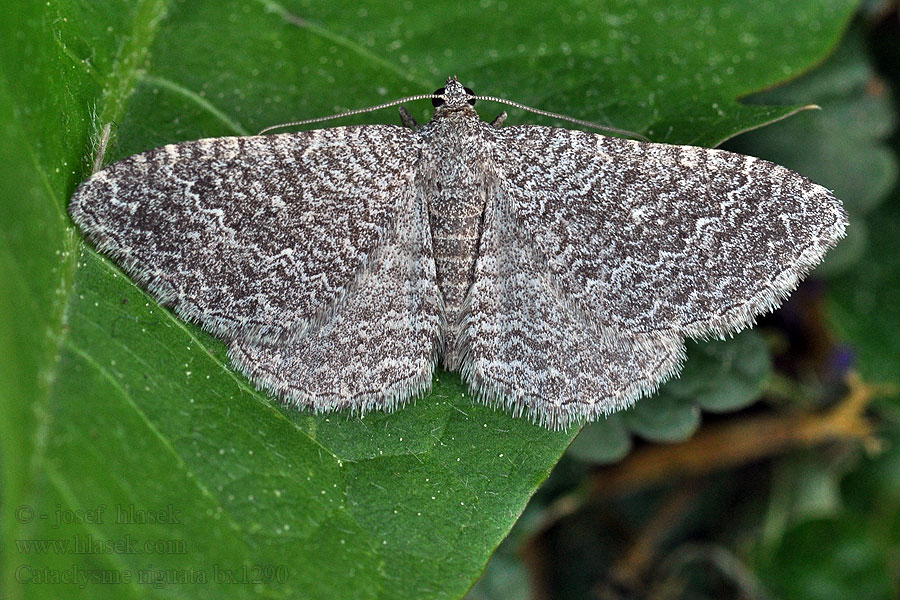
(606, 440)
(110, 402)
(663, 418)
(505, 578)
(722, 376)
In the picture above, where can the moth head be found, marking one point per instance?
(453, 96)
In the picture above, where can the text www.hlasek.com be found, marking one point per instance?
(88, 544)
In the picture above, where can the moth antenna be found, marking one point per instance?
(350, 113)
(554, 115)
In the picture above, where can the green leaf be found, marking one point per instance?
(505, 578)
(724, 375)
(113, 409)
(663, 418)
(606, 440)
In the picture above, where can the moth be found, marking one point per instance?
(558, 271)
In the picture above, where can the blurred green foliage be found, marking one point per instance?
(107, 399)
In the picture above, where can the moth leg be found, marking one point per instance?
(407, 119)
(102, 141)
(499, 120)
